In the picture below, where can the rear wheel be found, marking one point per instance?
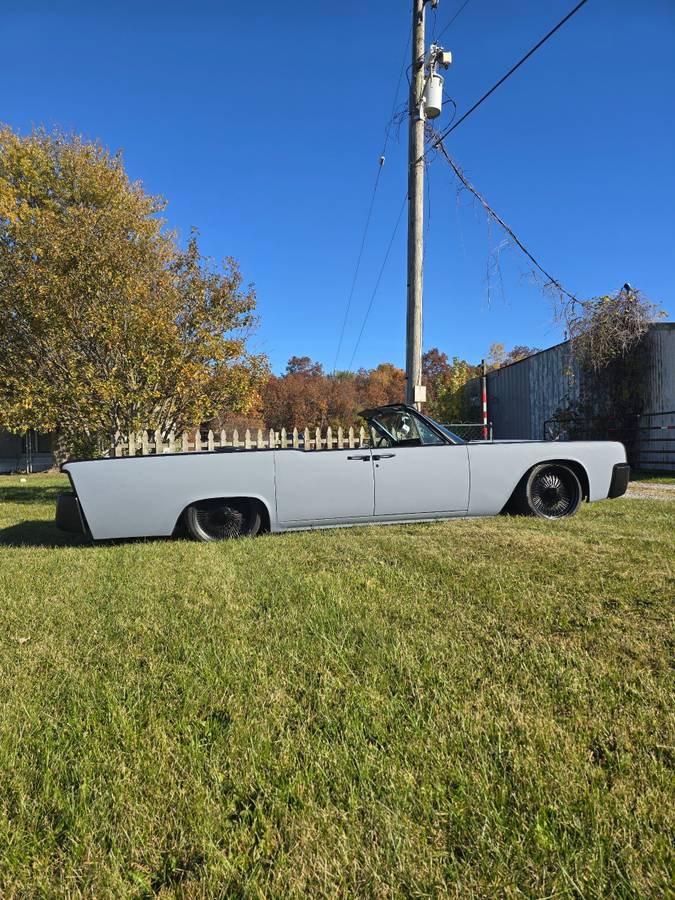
(221, 520)
(551, 491)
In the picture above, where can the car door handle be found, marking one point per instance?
(362, 458)
(385, 456)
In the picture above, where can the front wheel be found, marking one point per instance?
(221, 520)
(551, 491)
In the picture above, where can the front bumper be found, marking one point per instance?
(68, 513)
(620, 479)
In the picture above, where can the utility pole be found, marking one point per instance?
(413, 362)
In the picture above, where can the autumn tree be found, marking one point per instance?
(303, 365)
(520, 351)
(305, 396)
(496, 355)
(451, 401)
(436, 371)
(381, 385)
(106, 324)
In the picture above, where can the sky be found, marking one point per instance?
(263, 123)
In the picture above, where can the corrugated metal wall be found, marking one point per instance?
(661, 343)
(524, 395)
(656, 443)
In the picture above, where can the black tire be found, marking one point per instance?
(222, 520)
(550, 491)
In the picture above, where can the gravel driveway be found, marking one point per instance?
(649, 490)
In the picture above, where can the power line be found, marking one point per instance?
(370, 207)
(358, 265)
(456, 15)
(501, 81)
(377, 282)
(467, 184)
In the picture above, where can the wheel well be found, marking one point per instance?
(572, 464)
(261, 506)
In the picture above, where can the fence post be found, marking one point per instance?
(247, 439)
(296, 441)
(340, 441)
(235, 438)
(273, 439)
(172, 441)
(284, 439)
(185, 442)
(329, 438)
(198, 441)
(210, 442)
(351, 437)
(223, 438)
(132, 444)
(306, 439)
(144, 443)
(362, 436)
(317, 439)
(159, 447)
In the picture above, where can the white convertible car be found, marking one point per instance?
(411, 469)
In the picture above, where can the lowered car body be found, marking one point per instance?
(412, 469)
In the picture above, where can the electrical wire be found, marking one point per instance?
(554, 282)
(459, 11)
(377, 282)
(358, 265)
(501, 81)
(371, 205)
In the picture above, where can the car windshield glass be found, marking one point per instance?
(451, 434)
(398, 426)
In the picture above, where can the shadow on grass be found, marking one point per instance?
(39, 533)
(31, 493)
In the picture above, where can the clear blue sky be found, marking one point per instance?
(262, 123)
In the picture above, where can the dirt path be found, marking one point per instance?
(649, 490)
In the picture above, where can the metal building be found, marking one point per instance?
(525, 397)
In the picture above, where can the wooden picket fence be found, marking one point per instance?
(148, 443)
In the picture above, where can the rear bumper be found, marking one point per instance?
(619, 482)
(68, 513)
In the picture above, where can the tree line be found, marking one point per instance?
(307, 395)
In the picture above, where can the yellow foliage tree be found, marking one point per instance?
(451, 394)
(106, 324)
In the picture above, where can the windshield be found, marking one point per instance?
(455, 438)
(402, 427)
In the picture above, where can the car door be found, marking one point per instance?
(419, 475)
(324, 486)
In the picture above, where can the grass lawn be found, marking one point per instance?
(472, 708)
(649, 476)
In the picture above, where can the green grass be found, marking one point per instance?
(472, 708)
(651, 476)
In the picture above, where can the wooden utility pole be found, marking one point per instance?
(415, 207)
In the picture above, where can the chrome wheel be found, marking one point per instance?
(552, 492)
